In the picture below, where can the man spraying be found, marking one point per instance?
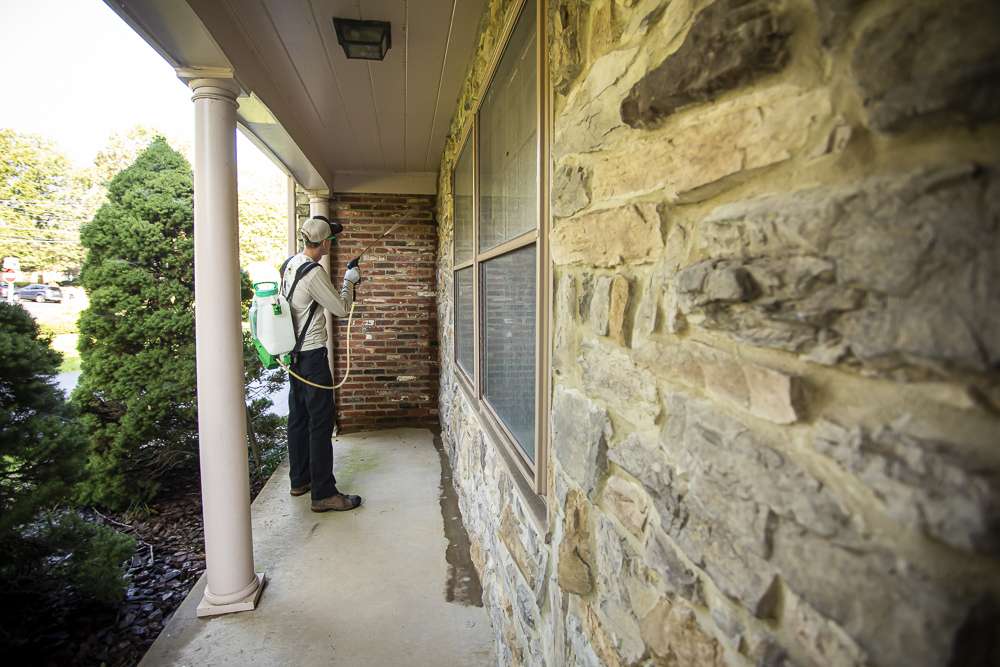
(308, 289)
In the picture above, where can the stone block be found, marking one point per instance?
(527, 610)
(671, 631)
(628, 503)
(647, 313)
(641, 454)
(758, 524)
(701, 154)
(680, 580)
(929, 486)
(580, 433)
(677, 363)
(565, 57)
(565, 309)
(893, 273)
(835, 18)
(605, 29)
(674, 319)
(763, 392)
(619, 576)
(570, 189)
(820, 640)
(713, 281)
(731, 43)
(520, 545)
(774, 396)
(591, 111)
(610, 374)
(930, 58)
(725, 381)
(576, 558)
(586, 294)
(768, 653)
(608, 238)
(600, 305)
(610, 646)
(580, 652)
(618, 310)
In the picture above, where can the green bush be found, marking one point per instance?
(88, 552)
(137, 387)
(42, 450)
(137, 391)
(41, 447)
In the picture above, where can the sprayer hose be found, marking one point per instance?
(347, 374)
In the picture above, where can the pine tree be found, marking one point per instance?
(137, 388)
(41, 455)
(41, 448)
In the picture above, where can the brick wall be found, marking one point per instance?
(394, 343)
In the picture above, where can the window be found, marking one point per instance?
(508, 289)
(498, 264)
(464, 334)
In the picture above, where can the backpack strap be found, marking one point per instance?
(300, 273)
(305, 327)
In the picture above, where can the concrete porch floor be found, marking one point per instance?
(368, 587)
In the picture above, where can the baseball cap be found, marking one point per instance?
(318, 228)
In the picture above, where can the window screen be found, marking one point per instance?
(464, 176)
(464, 335)
(508, 164)
(508, 292)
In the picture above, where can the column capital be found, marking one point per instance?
(318, 196)
(222, 89)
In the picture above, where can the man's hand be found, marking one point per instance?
(352, 275)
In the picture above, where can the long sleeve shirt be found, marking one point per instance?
(314, 287)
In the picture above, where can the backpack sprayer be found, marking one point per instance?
(272, 327)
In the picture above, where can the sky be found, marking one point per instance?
(75, 73)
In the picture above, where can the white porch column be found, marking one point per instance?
(225, 487)
(319, 204)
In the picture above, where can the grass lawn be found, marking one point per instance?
(66, 345)
(58, 321)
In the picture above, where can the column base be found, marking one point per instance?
(249, 603)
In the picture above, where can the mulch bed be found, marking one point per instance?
(168, 560)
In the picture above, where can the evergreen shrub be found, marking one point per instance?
(44, 544)
(137, 387)
(137, 391)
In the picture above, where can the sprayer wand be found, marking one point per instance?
(354, 262)
(357, 260)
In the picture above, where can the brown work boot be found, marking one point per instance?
(300, 490)
(340, 502)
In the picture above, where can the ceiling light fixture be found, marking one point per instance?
(364, 40)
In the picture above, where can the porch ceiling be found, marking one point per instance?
(350, 118)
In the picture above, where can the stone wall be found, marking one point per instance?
(776, 340)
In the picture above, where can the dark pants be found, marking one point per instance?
(310, 425)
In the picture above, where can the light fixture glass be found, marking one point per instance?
(365, 40)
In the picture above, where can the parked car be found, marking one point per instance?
(39, 293)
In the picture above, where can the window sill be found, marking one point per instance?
(537, 508)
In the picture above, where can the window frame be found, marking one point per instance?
(535, 473)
